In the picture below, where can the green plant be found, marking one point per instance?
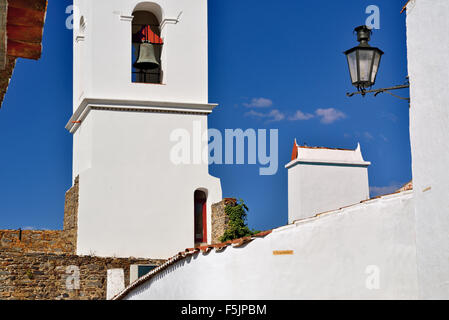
(237, 227)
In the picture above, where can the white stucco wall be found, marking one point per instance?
(133, 199)
(321, 180)
(334, 256)
(106, 51)
(428, 65)
(115, 282)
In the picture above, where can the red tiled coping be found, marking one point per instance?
(324, 148)
(188, 252)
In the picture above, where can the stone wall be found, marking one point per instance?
(5, 75)
(40, 276)
(30, 241)
(47, 241)
(219, 219)
(36, 265)
(71, 213)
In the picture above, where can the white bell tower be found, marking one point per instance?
(134, 200)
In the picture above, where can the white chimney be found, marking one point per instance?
(323, 179)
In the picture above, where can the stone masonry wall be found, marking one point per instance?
(71, 213)
(219, 219)
(57, 241)
(39, 276)
(30, 241)
(36, 265)
(5, 75)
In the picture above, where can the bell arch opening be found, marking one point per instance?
(200, 216)
(147, 47)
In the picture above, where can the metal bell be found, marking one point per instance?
(147, 58)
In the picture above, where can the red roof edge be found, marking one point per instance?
(295, 151)
(190, 251)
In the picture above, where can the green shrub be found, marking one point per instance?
(237, 227)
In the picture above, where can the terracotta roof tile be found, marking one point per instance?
(21, 29)
(408, 186)
(188, 252)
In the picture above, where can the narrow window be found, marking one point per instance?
(144, 269)
(200, 217)
(137, 271)
(147, 48)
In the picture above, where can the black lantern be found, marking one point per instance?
(363, 60)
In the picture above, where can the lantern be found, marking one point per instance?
(363, 60)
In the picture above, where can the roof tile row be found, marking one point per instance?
(188, 252)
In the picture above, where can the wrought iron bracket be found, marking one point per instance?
(382, 90)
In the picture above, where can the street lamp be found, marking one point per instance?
(364, 62)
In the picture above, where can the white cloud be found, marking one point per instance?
(326, 116)
(272, 116)
(368, 136)
(255, 114)
(389, 116)
(259, 103)
(276, 115)
(384, 138)
(299, 115)
(329, 115)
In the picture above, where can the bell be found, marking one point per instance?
(147, 58)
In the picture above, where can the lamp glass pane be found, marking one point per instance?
(375, 66)
(365, 61)
(352, 62)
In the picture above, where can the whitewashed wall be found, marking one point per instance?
(106, 51)
(133, 199)
(428, 65)
(336, 256)
(115, 282)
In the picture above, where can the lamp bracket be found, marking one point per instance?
(363, 92)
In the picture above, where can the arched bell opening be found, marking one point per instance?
(147, 48)
(200, 212)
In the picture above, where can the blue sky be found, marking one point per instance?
(272, 64)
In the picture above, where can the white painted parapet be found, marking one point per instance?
(323, 179)
(366, 251)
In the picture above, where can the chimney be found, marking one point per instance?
(324, 179)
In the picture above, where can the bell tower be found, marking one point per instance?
(140, 79)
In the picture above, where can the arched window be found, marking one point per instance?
(147, 48)
(200, 217)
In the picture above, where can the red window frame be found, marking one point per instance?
(203, 203)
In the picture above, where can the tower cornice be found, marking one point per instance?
(89, 104)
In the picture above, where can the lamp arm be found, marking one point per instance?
(382, 90)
